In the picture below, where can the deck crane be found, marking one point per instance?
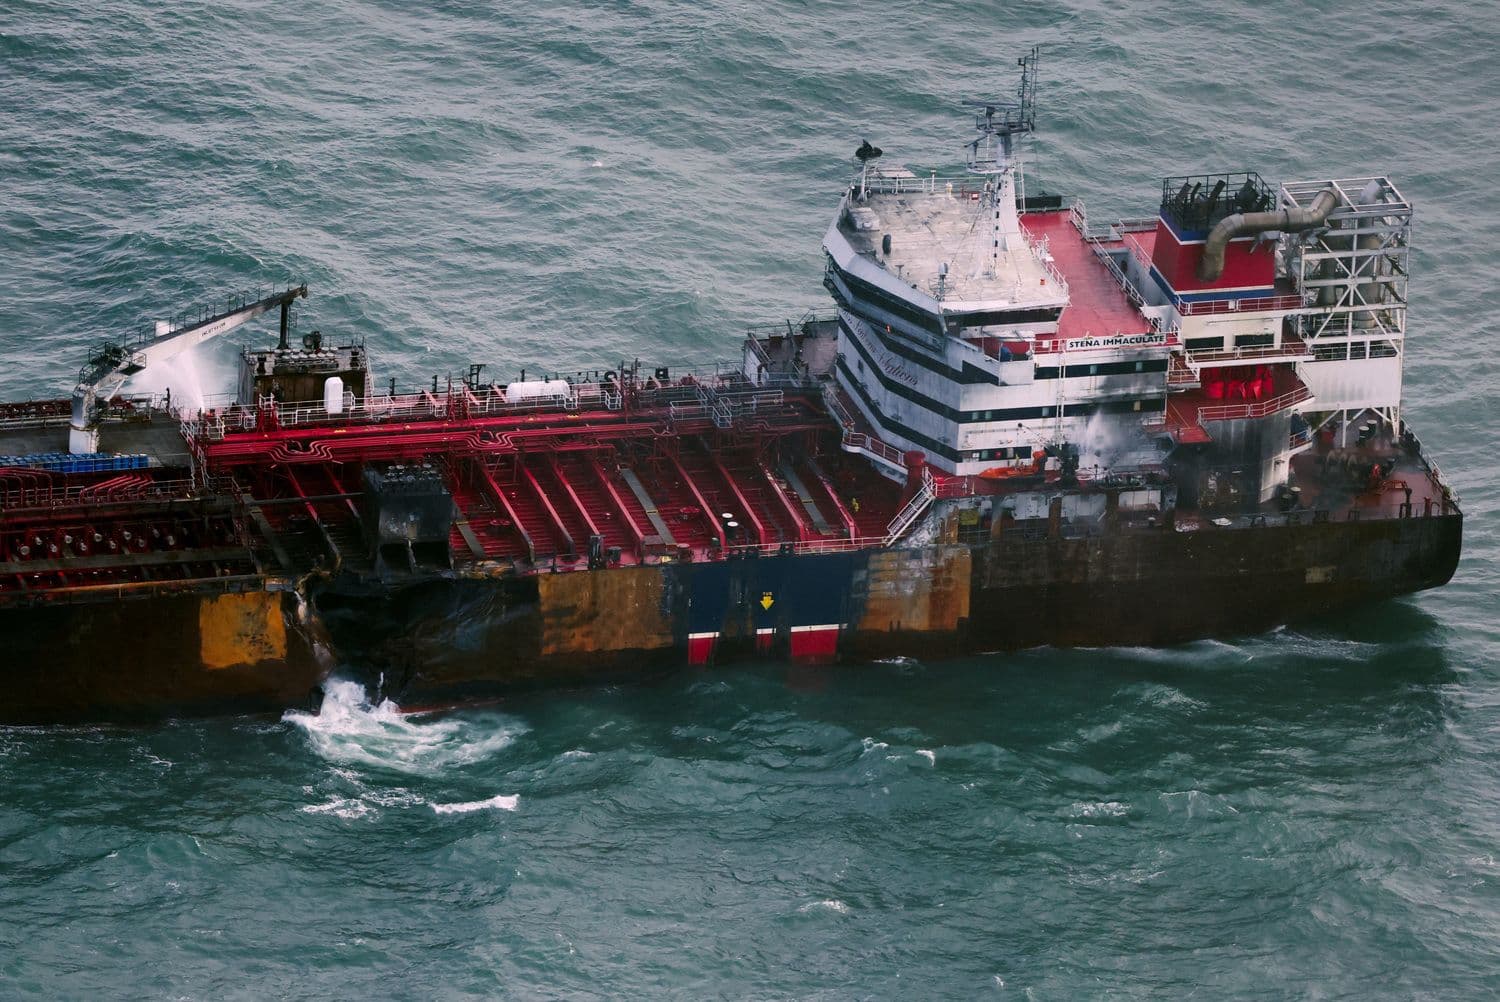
(112, 364)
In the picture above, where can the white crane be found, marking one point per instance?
(109, 367)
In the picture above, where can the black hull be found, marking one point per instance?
(446, 640)
(451, 641)
(147, 657)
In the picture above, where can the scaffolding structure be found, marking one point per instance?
(1352, 274)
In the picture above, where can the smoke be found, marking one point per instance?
(1108, 443)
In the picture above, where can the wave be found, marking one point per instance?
(833, 905)
(348, 729)
(503, 802)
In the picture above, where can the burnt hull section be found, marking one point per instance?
(439, 641)
(1136, 590)
(184, 654)
(447, 641)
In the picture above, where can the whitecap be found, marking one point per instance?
(1164, 697)
(349, 730)
(1102, 809)
(503, 802)
(343, 807)
(828, 904)
(929, 755)
(1197, 804)
(1101, 732)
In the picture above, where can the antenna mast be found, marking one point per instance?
(992, 153)
(1002, 121)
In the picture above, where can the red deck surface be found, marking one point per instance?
(1182, 420)
(1332, 482)
(1142, 244)
(1098, 305)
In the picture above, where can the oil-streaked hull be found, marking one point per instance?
(442, 640)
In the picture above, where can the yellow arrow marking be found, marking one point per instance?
(766, 601)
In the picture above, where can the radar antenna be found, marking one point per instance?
(866, 155)
(1002, 121)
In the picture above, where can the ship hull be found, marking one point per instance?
(441, 641)
(150, 656)
(446, 642)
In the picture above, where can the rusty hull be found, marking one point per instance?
(449, 638)
(160, 655)
(463, 638)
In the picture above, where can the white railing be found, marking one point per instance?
(1040, 250)
(858, 441)
(222, 413)
(913, 510)
(1103, 254)
(913, 184)
(1079, 217)
(1254, 409)
(1290, 347)
(122, 488)
(810, 546)
(759, 351)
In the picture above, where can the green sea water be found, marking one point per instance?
(1314, 812)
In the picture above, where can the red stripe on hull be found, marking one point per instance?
(701, 649)
(815, 645)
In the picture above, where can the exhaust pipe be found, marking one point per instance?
(1211, 265)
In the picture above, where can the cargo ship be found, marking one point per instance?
(1015, 427)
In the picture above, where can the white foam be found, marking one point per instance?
(828, 904)
(1197, 804)
(349, 730)
(1101, 732)
(929, 755)
(1104, 809)
(343, 807)
(503, 802)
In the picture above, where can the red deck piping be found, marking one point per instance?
(551, 512)
(698, 496)
(850, 526)
(624, 509)
(487, 480)
(562, 481)
(799, 518)
(761, 536)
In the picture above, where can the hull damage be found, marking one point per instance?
(448, 639)
(146, 658)
(1017, 429)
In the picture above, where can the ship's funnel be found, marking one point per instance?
(1211, 264)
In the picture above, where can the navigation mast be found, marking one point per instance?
(992, 153)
